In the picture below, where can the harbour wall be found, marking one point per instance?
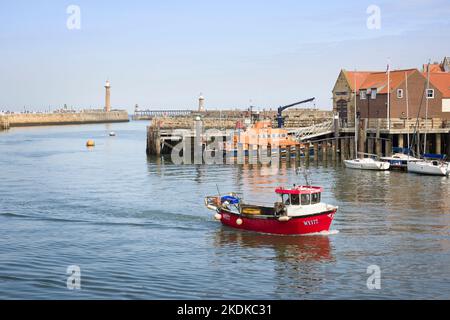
(227, 119)
(31, 119)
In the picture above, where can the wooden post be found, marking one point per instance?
(448, 145)
(352, 148)
(379, 147)
(187, 149)
(324, 151)
(342, 149)
(288, 154)
(362, 139)
(240, 154)
(252, 158)
(438, 143)
(158, 143)
(401, 143)
(370, 145)
(334, 150)
(316, 152)
(418, 143)
(297, 153)
(307, 155)
(389, 146)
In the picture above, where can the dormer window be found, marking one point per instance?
(373, 93)
(400, 93)
(430, 93)
(363, 94)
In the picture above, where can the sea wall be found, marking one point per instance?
(25, 120)
(295, 118)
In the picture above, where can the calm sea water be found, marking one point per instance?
(138, 229)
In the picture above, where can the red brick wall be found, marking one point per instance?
(417, 84)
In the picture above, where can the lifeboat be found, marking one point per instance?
(299, 212)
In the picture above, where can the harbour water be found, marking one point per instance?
(137, 227)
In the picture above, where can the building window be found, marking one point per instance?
(400, 93)
(430, 93)
(373, 94)
(363, 94)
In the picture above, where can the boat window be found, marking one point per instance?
(315, 198)
(286, 199)
(295, 199)
(306, 199)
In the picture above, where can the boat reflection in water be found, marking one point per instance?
(291, 262)
(287, 248)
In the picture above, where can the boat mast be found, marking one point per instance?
(407, 109)
(389, 96)
(356, 119)
(426, 109)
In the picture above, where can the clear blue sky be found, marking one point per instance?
(162, 54)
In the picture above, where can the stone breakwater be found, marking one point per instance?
(295, 118)
(26, 120)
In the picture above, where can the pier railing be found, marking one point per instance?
(401, 124)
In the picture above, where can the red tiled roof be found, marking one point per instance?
(360, 77)
(379, 80)
(441, 80)
(376, 79)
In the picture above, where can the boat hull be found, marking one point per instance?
(428, 169)
(295, 226)
(375, 165)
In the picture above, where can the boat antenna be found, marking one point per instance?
(306, 174)
(217, 186)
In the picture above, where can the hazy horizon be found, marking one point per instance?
(163, 54)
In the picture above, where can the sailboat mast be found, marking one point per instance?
(356, 126)
(407, 109)
(389, 96)
(426, 109)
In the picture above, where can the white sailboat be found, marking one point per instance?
(429, 166)
(367, 164)
(364, 163)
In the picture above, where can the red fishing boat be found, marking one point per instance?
(299, 212)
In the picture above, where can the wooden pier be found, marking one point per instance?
(333, 144)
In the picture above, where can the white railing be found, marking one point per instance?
(314, 131)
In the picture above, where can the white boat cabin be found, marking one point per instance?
(303, 200)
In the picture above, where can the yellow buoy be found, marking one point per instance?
(90, 143)
(239, 222)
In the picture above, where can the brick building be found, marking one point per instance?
(407, 110)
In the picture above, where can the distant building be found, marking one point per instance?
(437, 67)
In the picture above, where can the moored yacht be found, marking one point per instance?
(367, 164)
(428, 166)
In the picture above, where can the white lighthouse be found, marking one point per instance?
(108, 96)
(201, 103)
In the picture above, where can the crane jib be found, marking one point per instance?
(281, 109)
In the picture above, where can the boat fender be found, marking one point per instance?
(284, 219)
(239, 222)
(218, 216)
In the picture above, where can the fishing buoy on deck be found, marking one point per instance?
(284, 219)
(218, 216)
(239, 222)
(90, 143)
